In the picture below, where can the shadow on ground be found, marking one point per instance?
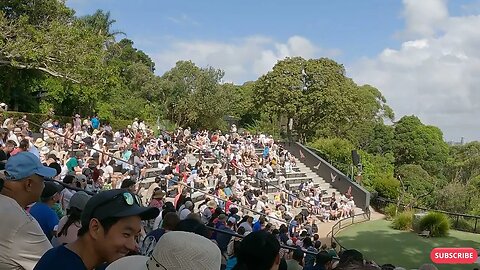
(378, 242)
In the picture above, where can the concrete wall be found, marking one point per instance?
(329, 173)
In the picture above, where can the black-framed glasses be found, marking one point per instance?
(128, 198)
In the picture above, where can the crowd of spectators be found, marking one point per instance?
(83, 196)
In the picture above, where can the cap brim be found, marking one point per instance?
(135, 262)
(145, 213)
(46, 172)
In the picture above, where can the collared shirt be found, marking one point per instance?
(22, 241)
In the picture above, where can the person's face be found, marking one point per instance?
(119, 240)
(34, 185)
(132, 189)
(8, 148)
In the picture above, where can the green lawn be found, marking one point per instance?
(382, 244)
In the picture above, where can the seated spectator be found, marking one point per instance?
(22, 241)
(170, 221)
(296, 262)
(69, 225)
(175, 250)
(323, 261)
(129, 184)
(111, 222)
(43, 211)
(258, 250)
(350, 256)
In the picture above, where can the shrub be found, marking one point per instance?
(403, 221)
(387, 187)
(390, 211)
(437, 223)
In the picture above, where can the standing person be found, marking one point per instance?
(95, 122)
(22, 241)
(111, 222)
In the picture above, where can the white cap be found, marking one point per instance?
(232, 220)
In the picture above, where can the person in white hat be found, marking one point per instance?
(175, 250)
(39, 143)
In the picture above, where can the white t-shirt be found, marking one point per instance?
(107, 172)
(260, 206)
(22, 241)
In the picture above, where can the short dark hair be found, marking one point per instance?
(11, 143)
(258, 250)
(127, 183)
(106, 224)
(170, 221)
(193, 226)
(56, 166)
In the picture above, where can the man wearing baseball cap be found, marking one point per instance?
(22, 241)
(111, 222)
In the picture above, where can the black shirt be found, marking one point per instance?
(3, 158)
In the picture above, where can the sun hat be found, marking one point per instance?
(39, 143)
(176, 250)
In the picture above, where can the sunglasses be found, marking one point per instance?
(127, 197)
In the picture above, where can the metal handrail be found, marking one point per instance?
(452, 215)
(333, 232)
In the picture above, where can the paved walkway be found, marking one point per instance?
(325, 229)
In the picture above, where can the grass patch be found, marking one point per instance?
(382, 244)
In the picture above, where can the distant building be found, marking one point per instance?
(453, 143)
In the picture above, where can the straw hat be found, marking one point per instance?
(159, 194)
(212, 204)
(39, 143)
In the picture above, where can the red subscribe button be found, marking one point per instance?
(453, 255)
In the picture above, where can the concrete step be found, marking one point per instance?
(294, 175)
(153, 172)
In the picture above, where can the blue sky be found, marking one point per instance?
(421, 54)
(356, 28)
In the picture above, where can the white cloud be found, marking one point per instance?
(422, 17)
(435, 74)
(183, 19)
(243, 59)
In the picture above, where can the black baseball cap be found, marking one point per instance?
(50, 190)
(116, 203)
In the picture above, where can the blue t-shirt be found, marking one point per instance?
(257, 226)
(46, 217)
(95, 123)
(60, 258)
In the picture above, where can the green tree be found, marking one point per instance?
(417, 185)
(101, 23)
(336, 151)
(416, 143)
(320, 99)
